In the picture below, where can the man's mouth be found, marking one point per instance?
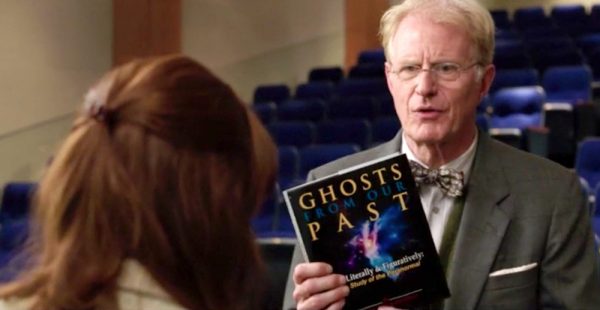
(428, 112)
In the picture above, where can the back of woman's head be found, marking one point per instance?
(164, 165)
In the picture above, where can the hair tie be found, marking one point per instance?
(97, 110)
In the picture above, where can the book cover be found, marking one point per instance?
(368, 223)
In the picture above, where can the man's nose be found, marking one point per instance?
(426, 83)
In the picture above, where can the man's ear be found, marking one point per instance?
(486, 80)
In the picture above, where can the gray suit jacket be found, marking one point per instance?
(520, 211)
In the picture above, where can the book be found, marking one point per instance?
(368, 223)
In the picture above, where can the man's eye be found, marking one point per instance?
(447, 68)
(410, 69)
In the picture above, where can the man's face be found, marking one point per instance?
(432, 108)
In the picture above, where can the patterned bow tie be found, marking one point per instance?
(449, 181)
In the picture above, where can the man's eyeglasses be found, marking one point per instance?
(447, 71)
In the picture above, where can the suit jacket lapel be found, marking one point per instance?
(394, 145)
(483, 224)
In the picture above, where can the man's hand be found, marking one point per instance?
(318, 288)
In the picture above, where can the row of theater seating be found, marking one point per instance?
(274, 220)
(570, 84)
(273, 225)
(551, 49)
(573, 18)
(531, 38)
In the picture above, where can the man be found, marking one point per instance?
(519, 236)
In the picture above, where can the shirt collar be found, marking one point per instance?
(461, 163)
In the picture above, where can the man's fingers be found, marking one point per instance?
(337, 305)
(331, 299)
(314, 286)
(304, 271)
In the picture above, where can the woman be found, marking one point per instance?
(147, 203)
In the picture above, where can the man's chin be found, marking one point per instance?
(426, 138)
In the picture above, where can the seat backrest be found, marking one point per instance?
(526, 17)
(331, 74)
(355, 131)
(385, 128)
(524, 100)
(597, 200)
(501, 19)
(266, 111)
(565, 14)
(301, 110)
(319, 154)
(373, 56)
(362, 88)
(367, 70)
(588, 43)
(558, 58)
(568, 83)
(514, 77)
(483, 122)
(295, 133)
(289, 165)
(271, 93)
(353, 108)
(16, 200)
(587, 161)
(518, 120)
(315, 90)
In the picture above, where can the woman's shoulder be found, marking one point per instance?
(15, 304)
(138, 290)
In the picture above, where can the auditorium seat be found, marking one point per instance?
(501, 19)
(587, 161)
(517, 107)
(513, 78)
(531, 17)
(385, 128)
(294, 133)
(483, 122)
(266, 111)
(588, 43)
(367, 70)
(315, 90)
(570, 84)
(271, 93)
(362, 88)
(331, 74)
(559, 118)
(594, 63)
(557, 58)
(516, 118)
(372, 56)
(16, 200)
(301, 110)
(316, 155)
(277, 254)
(14, 226)
(571, 17)
(594, 18)
(289, 167)
(263, 223)
(511, 54)
(355, 131)
(353, 108)
(596, 217)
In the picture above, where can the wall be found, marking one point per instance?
(52, 51)
(254, 42)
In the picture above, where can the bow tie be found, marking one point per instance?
(449, 181)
